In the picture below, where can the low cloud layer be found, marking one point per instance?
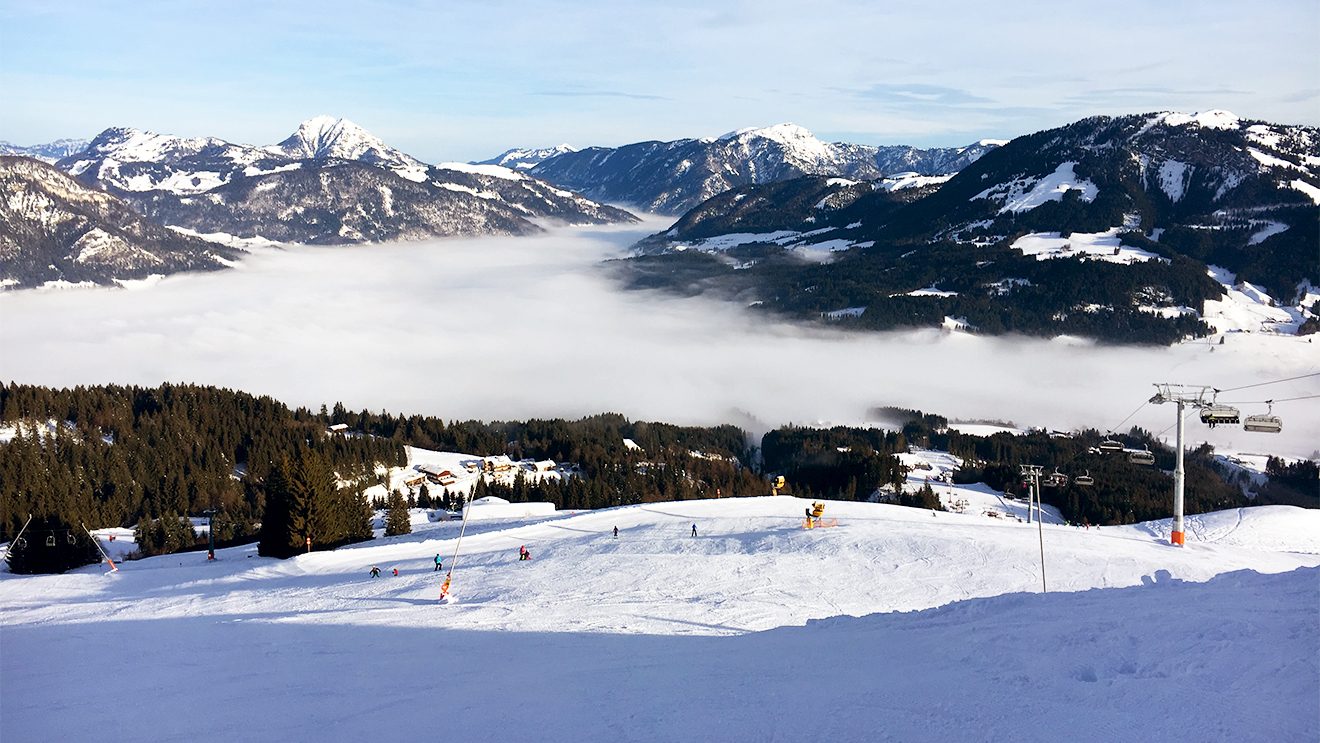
(503, 328)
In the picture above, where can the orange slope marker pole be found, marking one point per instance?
(113, 567)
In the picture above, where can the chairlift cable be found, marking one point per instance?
(1125, 420)
(1272, 401)
(1262, 384)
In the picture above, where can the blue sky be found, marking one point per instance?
(465, 80)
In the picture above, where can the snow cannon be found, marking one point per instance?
(814, 514)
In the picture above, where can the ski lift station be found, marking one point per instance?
(492, 507)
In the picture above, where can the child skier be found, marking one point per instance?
(375, 572)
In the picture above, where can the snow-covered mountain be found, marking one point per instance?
(327, 138)
(525, 159)
(330, 182)
(1162, 197)
(672, 177)
(54, 229)
(49, 152)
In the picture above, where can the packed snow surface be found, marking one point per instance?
(659, 635)
(1025, 194)
(1097, 246)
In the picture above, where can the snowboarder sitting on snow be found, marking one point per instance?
(523, 554)
(375, 572)
(438, 566)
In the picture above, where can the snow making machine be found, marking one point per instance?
(814, 520)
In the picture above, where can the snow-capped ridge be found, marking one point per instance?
(1212, 119)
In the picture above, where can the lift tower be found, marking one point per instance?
(1182, 395)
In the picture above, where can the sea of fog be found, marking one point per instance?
(500, 328)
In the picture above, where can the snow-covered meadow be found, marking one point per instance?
(514, 328)
(898, 624)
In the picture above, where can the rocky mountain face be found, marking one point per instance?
(525, 159)
(672, 177)
(48, 153)
(54, 229)
(330, 182)
(1110, 227)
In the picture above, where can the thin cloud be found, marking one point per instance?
(920, 95)
(600, 94)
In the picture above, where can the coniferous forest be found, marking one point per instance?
(150, 458)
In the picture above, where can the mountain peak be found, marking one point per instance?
(786, 133)
(326, 137)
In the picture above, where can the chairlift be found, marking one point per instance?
(1213, 415)
(20, 544)
(1110, 446)
(1085, 481)
(70, 538)
(1141, 456)
(1056, 479)
(1263, 423)
(50, 541)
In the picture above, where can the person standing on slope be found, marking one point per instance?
(694, 530)
(438, 566)
(375, 572)
(616, 532)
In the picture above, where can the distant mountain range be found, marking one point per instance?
(672, 177)
(329, 182)
(49, 152)
(1108, 227)
(524, 159)
(54, 229)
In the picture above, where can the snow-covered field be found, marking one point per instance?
(898, 624)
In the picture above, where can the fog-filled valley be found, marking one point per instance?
(505, 328)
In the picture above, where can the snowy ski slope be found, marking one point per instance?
(899, 624)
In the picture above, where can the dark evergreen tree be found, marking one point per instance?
(396, 516)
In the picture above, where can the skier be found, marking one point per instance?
(616, 532)
(694, 530)
(438, 566)
(375, 572)
(396, 572)
(523, 554)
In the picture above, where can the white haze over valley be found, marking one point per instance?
(512, 328)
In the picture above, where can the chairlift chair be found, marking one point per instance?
(1213, 415)
(1056, 479)
(1085, 481)
(50, 541)
(1110, 446)
(1263, 423)
(1141, 456)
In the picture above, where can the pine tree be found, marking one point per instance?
(277, 524)
(396, 516)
